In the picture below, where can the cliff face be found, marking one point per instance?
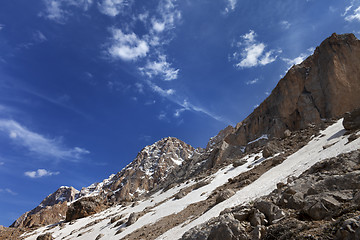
(325, 85)
(52, 209)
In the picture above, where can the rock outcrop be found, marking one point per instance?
(51, 210)
(352, 120)
(150, 168)
(325, 85)
(84, 207)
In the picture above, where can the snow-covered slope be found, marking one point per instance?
(329, 143)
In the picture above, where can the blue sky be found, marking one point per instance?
(86, 84)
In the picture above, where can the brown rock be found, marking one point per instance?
(352, 120)
(325, 85)
(84, 207)
(132, 219)
(225, 194)
(46, 236)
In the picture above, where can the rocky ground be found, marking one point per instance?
(323, 203)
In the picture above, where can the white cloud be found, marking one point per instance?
(169, 15)
(38, 144)
(55, 9)
(252, 52)
(285, 24)
(299, 59)
(354, 16)
(160, 67)
(113, 7)
(230, 5)
(39, 37)
(158, 26)
(128, 47)
(2, 163)
(347, 9)
(162, 116)
(139, 87)
(1, 26)
(8, 190)
(40, 173)
(251, 82)
(159, 90)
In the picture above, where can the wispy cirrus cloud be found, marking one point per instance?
(8, 190)
(113, 8)
(285, 24)
(159, 90)
(1, 26)
(354, 16)
(57, 10)
(39, 37)
(40, 173)
(252, 53)
(251, 82)
(38, 144)
(230, 5)
(160, 68)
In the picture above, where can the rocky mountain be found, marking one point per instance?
(323, 86)
(52, 209)
(149, 169)
(292, 166)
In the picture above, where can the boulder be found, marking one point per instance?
(225, 194)
(227, 228)
(272, 212)
(239, 162)
(46, 236)
(349, 230)
(257, 218)
(351, 120)
(270, 149)
(321, 207)
(84, 207)
(132, 218)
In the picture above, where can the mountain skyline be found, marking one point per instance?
(85, 85)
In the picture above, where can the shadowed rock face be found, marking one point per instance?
(325, 85)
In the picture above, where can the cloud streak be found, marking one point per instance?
(39, 144)
(8, 190)
(40, 173)
(354, 16)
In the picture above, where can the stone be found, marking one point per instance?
(321, 207)
(99, 236)
(287, 133)
(46, 236)
(351, 120)
(132, 218)
(116, 218)
(239, 162)
(257, 218)
(349, 230)
(84, 207)
(225, 194)
(272, 212)
(270, 149)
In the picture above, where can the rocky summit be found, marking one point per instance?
(290, 170)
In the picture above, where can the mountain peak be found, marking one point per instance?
(325, 85)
